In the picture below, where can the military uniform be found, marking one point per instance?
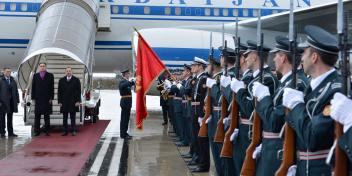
(186, 110)
(125, 104)
(314, 131)
(272, 113)
(246, 99)
(177, 107)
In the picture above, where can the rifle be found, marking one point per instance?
(226, 150)
(203, 131)
(341, 165)
(249, 164)
(220, 129)
(289, 146)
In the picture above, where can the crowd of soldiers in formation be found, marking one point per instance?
(214, 109)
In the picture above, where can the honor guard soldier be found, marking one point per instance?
(125, 103)
(245, 97)
(177, 106)
(214, 84)
(271, 111)
(163, 100)
(240, 137)
(313, 128)
(201, 146)
(185, 106)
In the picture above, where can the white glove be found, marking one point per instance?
(292, 97)
(341, 110)
(174, 83)
(200, 120)
(208, 120)
(236, 85)
(226, 120)
(292, 170)
(260, 91)
(257, 152)
(234, 134)
(210, 82)
(225, 80)
(167, 84)
(179, 85)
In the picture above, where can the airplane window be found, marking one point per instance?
(115, 9)
(2, 6)
(245, 12)
(126, 9)
(275, 11)
(255, 12)
(178, 11)
(216, 12)
(207, 12)
(146, 10)
(235, 12)
(225, 12)
(167, 11)
(188, 12)
(198, 11)
(13, 7)
(24, 7)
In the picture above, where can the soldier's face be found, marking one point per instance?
(250, 60)
(279, 60)
(222, 61)
(307, 59)
(7, 72)
(42, 67)
(127, 75)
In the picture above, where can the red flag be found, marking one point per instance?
(149, 67)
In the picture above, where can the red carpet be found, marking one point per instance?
(54, 155)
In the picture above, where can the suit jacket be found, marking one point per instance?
(69, 93)
(8, 93)
(42, 92)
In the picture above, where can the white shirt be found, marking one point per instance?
(314, 83)
(68, 78)
(246, 71)
(255, 73)
(283, 79)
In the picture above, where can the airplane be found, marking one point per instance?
(112, 49)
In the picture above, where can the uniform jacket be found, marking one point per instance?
(125, 89)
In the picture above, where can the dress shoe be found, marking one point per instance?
(192, 163)
(2, 136)
(13, 135)
(65, 134)
(74, 133)
(186, 156)
(200, 169)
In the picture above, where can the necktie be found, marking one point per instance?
(8, 81)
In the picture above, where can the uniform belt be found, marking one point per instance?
(177, 98)
(217, 108)
(195, 103)
(245, 121)
(126, 96)
(321, 154)
(170, 96)
(184, 101)
(271, 135)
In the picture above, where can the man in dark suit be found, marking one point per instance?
(9, 100)
(125, 103)
(42, 95)
(69, 98)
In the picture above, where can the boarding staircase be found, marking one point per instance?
(64, 37)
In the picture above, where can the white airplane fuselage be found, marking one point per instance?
(113, 50)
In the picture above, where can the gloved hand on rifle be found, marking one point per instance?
(236, 85)
(208, 120)
(200, 121)
(210, 82)
(234, 135)
(226, 121)
(260, 91)
(291, 98)
(167, 84)
(257, 152)
(341, 110)
(179, 85)
(292, 170)
(225, 80)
